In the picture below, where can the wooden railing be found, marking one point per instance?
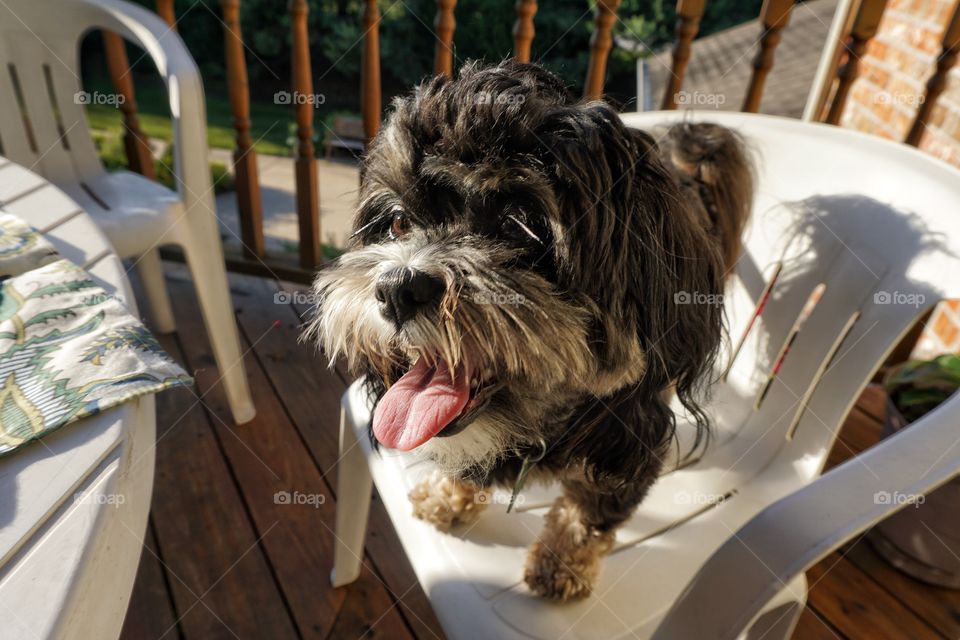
(688, 24)
(864, 29)
(370, 65)
(244, 155)
(308, 192)
(949, 50)
(135, 142)
(774, 18)
(774, 15)
(443, 26)
(523, 29)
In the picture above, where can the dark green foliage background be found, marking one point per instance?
(407, 44)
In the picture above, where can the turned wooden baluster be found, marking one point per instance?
(244, 156)
(139, 157)
(600, 44)
(444, 24)
(689, 13)
(308, 193)
(165, 11)
(523, 29)
(938, 81)
(864, 28)
(774, 15)
(370, 70)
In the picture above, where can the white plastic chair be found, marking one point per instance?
(720, 546)
(39, 68)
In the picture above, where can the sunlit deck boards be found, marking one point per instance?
(224, 559)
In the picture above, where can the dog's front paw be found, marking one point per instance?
(564, 563)
(445, 502)
(567, 574)
(551, 576)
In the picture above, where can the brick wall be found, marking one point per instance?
(884, 100)
(942, 334)
(893, 75)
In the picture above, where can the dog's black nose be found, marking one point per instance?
(404, 292)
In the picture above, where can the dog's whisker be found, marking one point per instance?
(527, 229)
(359, 231)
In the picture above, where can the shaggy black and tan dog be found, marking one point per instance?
(515, 297)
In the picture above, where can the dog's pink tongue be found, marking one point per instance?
(419, 405)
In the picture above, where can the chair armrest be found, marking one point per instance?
(184, 86)
(794, 533)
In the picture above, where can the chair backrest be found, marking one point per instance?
(854, 239)
(849, 247)
(43, 125)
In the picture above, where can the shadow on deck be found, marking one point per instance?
(227, 556)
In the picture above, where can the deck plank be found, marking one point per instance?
(937, 606)
(812, 626)
(873, 402)
(267, 456)
(151, 610)
(860, 432)
(307, 388)
(215, 564)
(857, 606)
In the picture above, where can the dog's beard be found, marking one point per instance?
(507, 329)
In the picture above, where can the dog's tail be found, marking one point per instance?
(717, 161)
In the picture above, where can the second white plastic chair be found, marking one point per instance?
(43, 127)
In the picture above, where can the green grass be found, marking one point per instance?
(329, 251)
(269, 123)
(112, 154)
(272, 126)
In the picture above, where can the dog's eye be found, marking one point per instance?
(400, 225)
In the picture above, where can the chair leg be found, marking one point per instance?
(354, 487)
(210, 278)
(150, 269)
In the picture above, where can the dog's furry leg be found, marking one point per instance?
(580, 531)
(565, 562)
(446, 502)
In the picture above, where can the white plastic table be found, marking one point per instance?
(73, 506)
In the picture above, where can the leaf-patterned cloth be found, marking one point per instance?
(68, 349)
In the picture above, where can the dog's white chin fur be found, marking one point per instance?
(478, 446)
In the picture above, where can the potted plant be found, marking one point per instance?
(923, 539)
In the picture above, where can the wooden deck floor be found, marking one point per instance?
(224, 560)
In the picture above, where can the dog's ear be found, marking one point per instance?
(639, 246)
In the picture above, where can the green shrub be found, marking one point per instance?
(919, 386)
